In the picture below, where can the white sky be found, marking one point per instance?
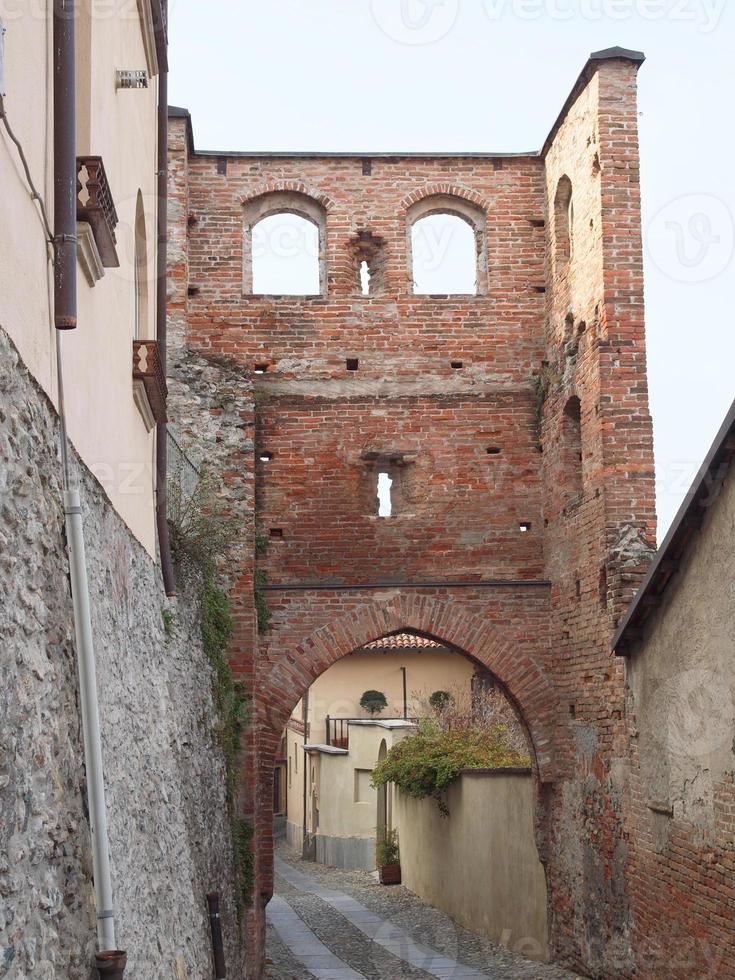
(491, 76)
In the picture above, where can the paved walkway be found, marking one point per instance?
(343, 925)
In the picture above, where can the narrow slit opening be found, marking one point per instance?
(385, 502)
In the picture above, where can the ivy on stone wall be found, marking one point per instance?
(198, 539)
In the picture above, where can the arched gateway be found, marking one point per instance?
(293, 671)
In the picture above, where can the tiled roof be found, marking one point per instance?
(402, 641)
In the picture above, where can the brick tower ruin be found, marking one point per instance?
(514, 424)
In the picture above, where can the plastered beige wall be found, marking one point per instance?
(103, 422)
(681, 679)
(338, 691)
(341, 814)
(480, 864)
(331, 782)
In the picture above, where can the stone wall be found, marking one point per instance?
(169, 827)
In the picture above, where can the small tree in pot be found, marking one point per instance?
(374, 702)
(387, 857)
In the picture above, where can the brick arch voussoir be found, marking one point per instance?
(444, 190)
(527, 683)
(288, 187)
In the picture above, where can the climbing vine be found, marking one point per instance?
(542, 382)
(262, 612)
(199, 538)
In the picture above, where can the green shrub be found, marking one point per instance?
(440, 699)
(373, 702)
(426, 763)
(386, 848)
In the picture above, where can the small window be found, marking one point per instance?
(286, 256)
(364, 792)
(564, 222)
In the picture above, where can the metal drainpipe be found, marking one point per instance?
(306, 769)
(164, 543)
(65, 168)
(65, 318)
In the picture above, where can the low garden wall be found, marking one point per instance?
(479, 864)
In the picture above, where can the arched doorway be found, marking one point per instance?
(496, 860)
(294, 664)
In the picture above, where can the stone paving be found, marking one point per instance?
(343, 925)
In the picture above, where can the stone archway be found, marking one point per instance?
(294, 671)
(525, 680)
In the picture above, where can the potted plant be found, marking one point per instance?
(388, 857)
(374, 702)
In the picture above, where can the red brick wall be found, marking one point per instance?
(523, 354)
(599, 538)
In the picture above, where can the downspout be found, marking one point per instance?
(306, 768)
(65, 318)
(164, 543)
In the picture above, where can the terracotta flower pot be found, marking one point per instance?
(390, 874)
(111, 964)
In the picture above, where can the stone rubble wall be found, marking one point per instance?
(169, 827)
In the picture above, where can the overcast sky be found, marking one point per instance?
(491, 76)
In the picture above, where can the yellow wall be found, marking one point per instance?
(347, 803)
(480, 865)
(120, 126)
(338, 691)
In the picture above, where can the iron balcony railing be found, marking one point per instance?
(338, 729)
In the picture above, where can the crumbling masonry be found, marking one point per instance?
(514, 423)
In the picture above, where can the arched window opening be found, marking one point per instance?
(285, 254)
(284, 234)
(444, 256)
(571, 448)
(447, 247)
(140, 274)
(564, 222)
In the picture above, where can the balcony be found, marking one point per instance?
(149, 384)
(96, 214)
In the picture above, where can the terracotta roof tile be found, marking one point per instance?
(402, 641)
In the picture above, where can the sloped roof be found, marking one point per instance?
(687, 524)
